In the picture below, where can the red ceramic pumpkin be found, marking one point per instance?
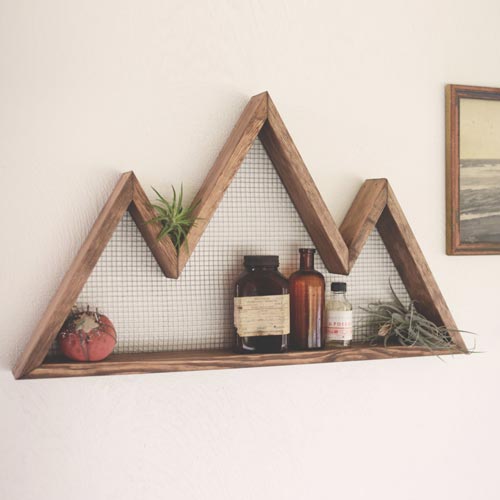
(87, 336)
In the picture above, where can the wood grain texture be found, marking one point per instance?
(362, 216)
(223, 171)
(454, 93)
(303, 192)
(375, 204)
(163, 250)
(452, 171)
(219, 360)
(413, 268)
(76, 277)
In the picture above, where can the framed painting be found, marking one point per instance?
(472, 170)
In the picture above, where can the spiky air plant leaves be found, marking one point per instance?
(175, 219)
(397, 323)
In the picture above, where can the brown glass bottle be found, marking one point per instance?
(307, 304)
(266, 328)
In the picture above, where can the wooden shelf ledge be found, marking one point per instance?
(218, 360)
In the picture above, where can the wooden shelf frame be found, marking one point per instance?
(182, 361)
(374, 206)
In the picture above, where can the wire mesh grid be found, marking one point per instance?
(256, 216)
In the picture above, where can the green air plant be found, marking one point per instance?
(397, 323)
(175, 219)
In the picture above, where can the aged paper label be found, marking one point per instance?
(260, 316)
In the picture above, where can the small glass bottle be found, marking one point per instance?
(261, 307)
(307, 304)
(338, 317)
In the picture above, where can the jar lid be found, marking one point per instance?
(338, 286)
(261, 260)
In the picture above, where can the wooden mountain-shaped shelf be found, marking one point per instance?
(374, 206)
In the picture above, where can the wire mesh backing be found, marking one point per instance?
(256, 216)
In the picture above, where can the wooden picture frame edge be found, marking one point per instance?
(453, 94)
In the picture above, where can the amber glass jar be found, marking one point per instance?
(261, 307)
(307, 304)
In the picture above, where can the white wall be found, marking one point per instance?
(92, 88)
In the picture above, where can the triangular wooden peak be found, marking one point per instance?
(374, 205)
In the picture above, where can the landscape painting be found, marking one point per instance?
(479, 175)
(472, 170)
